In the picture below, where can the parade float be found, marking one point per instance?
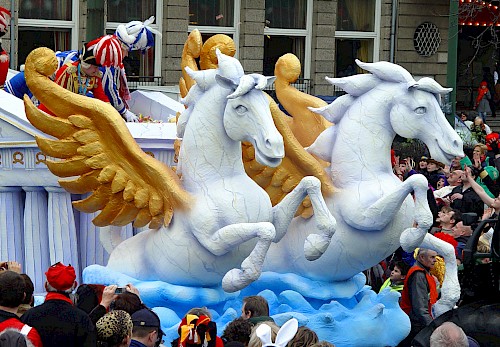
(222, 226)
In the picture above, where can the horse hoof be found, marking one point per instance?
(315, 246)
(233, 281)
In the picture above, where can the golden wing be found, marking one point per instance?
(278, 182)
(190, 52)
(94, 143)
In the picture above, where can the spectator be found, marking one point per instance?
(57, 320)
(494, 152)
(255, 340)
(447, 218)
(237, 330)
(147, 329)
(200, 311)
(449, 334)
(28, 301)
(197, 331)
(419, 293)
(256, 309)
(422, 166)
(304, 337)
(464, 198)
(434, 170)
(129, 301)
(398, 274)
(12, 293)
(10, 265)
(108, 295)
(114, 329)
(484, 169)
(482, 100)
(454, 179)
(461, 233)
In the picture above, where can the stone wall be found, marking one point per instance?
(323, 46)
(251, 50)
(175, 33)
(411, 14)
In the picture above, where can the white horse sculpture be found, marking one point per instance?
(230, 220)
(373, 208)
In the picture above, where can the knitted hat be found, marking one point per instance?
(137, 35)
(194, 330)
(104, 51)
(113, 327)
(491, 138)
(4, 19)
(60, 276)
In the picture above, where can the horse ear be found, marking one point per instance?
(387, 71)
(200, 77)
(355, 85)
(262, 81)
(225, 82)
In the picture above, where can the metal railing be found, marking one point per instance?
(135, 81)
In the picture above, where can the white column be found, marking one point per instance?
(91, 248)
(36, 236)
(63, 243)
(11, 224)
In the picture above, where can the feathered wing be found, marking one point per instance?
(297, 164)
(94, 144)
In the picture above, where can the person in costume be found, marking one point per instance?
(83, 76)
(134, 36)
(4, 57)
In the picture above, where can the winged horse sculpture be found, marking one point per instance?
(224, 222)
(374, 210)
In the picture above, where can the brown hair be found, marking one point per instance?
(304, 337)
(257, 305)
(255, 340)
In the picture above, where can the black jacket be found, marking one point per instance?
(471, 202)
(59, 324)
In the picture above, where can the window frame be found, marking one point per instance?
(366, 35)
(234, 30)
(158, 24)
(306, 33)
(72, 25)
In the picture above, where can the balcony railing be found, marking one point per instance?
(135, 81)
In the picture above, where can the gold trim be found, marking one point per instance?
(38, 160)
(15, 158)
(150, 153)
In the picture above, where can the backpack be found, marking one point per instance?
(15, 338)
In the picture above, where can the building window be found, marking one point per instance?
(218, 13)
(124, 11)
(45, 9)
(49, 23)
(288, 30)
(215, 17)
(357, 34)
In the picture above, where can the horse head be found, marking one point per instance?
(413, 107)
(247, 116)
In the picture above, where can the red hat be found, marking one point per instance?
(493, 137)
(483, 84)
(4, 19)
(60, 276)
(104, 51)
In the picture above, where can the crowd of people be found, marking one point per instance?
(109, 316)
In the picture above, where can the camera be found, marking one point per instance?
(120, 290)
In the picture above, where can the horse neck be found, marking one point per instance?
(361, 150)
(207, 153)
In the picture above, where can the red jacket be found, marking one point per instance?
(405, 302)
(11, 321)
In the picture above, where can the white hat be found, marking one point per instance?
(137, 35)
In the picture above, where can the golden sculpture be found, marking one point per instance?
(94, 143)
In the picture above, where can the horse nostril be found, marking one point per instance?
(268, 144)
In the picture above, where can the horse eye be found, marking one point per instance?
(421, 110)
(240, 109)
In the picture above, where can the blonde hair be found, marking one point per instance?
(482, 147)
(255, 340)
(304, 337)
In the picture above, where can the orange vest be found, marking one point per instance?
(405, 302)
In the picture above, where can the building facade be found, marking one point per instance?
(326, 35)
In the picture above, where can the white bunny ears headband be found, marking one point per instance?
(285, 334)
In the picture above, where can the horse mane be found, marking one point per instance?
(358, 85)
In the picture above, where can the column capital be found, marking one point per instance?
(52, 189)
(33, 188)
(11, 189)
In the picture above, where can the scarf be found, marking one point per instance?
(58, 296)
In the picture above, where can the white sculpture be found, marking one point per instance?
(229, 220)
(373, 208)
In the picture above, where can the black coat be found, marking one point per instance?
(59, 324)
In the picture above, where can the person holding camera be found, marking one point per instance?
(58, 322)
(464, 198)
(10, 265)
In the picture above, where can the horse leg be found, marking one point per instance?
(227, 238)
(381, 212)
(450, 291)
(283, 213)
